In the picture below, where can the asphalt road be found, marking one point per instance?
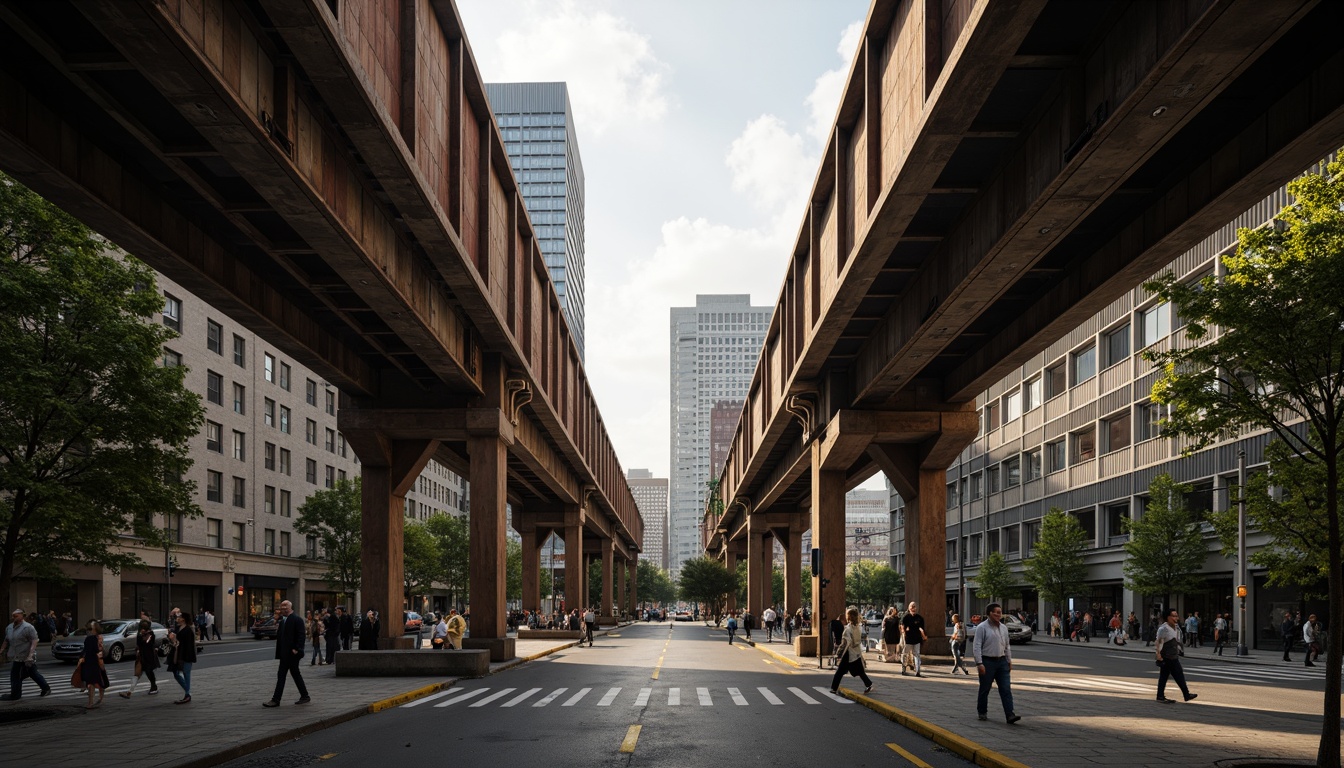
(650, 694)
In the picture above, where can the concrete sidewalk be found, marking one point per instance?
(225, 719)
(1071, 718)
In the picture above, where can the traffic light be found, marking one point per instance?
(816, 561)
(172, 566)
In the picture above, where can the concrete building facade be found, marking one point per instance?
(651, 497)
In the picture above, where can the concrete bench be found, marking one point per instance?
(549, 634)
(412, 663)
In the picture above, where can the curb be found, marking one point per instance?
(402, 698)
(266, 742)
(980, 755)
(777, 655)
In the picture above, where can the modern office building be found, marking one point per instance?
(867, 514)
(537, 123)
(651, 498)
(1075, 429)
(715, 345)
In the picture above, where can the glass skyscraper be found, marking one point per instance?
(538, 128)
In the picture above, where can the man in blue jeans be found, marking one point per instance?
(994, 662)
(20, 645)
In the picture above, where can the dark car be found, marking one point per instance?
(118, 640)
(265, 629)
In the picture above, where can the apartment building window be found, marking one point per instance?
(331, 440)
(268, 540)
(975, 546)
(330, 479)
(1084, 444)
(1084, 364)
(1117, 345)
(1056, 383)
(214, 485)
(214, 387)
(171, 359)
(340, 444)
(331, 402)
(268, 367)
(952, 554)
(174, 524)
(310, 548)
(310, 471)
(214, 337)
(268, 454)
(1014, 540)
(991, 542)
(977, 486)
(286, 508)
(1087, 520)
(284, 544)
(240, 492)
(992, 416)
(214, 437)
(239, 445)
(268, 412)
(1056, 456)
(1149, 418)
(310, 432)
(1033, 393)
(172, 312)
(340, 475)
(239, 399)
(1116, 515)
(1012, 472)
(1033, 529)
(992, 477)
(310, 392)
(214, 536)
(1117, 429)
(284, 376)
(284, 461)
(1012, 406)
(268, 499)
(240, 537)
(284, 419)
(1156, 323)
(239, 351)
(1033, 464)
(951, 495)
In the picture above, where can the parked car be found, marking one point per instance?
(873, 619)
(1017, 631)
(265, 628)
(683, 616)
(413, 622)
(118, 640)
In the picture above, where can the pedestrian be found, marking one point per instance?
(146, 658)
(313, 621)
(589, 624)
(768, 618)
(1133, 626)
(368, 631)
(440, 638)
(1054, 624)
(289, 652)
(789, 626)
(91, 669)
(20, 647)
(958, 645)
(913, 624)
(994, 663)
(732, 629)
(1311, 633)
(849, 653)
(182, 639)
(1288, 630)
(1192, 630)
(44, 631)
(1219, 634)
(1169, 653)
(211, 627)
(457, 626)
(748, 623)
(201, 631)
(891, 636)
(331, 633)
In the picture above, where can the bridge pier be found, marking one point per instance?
(632, 597)
(828, 535)
(608, 575)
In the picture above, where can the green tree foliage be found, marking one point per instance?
(996, 581)
(653, 585)
(1277, 363)
(595, 587)
(334, 516)
(1166, 549)
(708, 582)
(421, 558)
(870, 584)
(1056, 567)
(93, 430)
(453, 535)
(777, 585)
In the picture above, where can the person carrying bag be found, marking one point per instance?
(849, 653)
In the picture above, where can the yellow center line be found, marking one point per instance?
(903, 753)
(327, 756)
(657, 667)
(632, 738)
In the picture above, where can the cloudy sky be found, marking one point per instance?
(700, 124)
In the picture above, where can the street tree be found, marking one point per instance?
(996, 581)
(872, 584)
(454, 544)
(513, 575)
(708, 582)
(1056, 568)
(1277, 364)
(1166, 548)
(333, 516)
(420, 550)
(653, 585)
(95, 420)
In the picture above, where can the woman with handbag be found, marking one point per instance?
(146, 659)
(891, 636)
(183, 642)
(849, 653)
(91, 671)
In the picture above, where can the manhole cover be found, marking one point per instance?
(16, 716)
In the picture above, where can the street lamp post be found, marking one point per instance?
(1241, 552)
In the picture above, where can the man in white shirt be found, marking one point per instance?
(20, 645)
(993, 662)
(1309, 638)
(768, 618)
(1168, 649)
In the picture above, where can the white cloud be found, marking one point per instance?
(770, 165)
(825, 96)
(611, 69)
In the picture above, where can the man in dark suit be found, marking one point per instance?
(289, 650)
(347, 623)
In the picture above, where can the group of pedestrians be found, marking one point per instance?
(775, 622)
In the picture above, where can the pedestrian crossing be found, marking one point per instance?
(1221, 673)
(639, 697)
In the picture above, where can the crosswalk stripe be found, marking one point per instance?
(705, 701)
(520, 697)
(463, 697)
(1269, 674)
(824, 691)
(770, 696)
(800, 694)
(493, 696)
(643, 698)
(550, 697)
(1117, 684)
(430, 698)
(609, 697)
(674, 697)
(738, 698)
(576, 697)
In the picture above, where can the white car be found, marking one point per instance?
(1017, 631)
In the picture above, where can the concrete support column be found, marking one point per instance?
(382, 560)
(622, 608)
(632, 597)
(828, 534)
(925, 547)
(608, 572)
(755, 543)
(730, 562)
(488, 475)
(767, 567)
(573, 565)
